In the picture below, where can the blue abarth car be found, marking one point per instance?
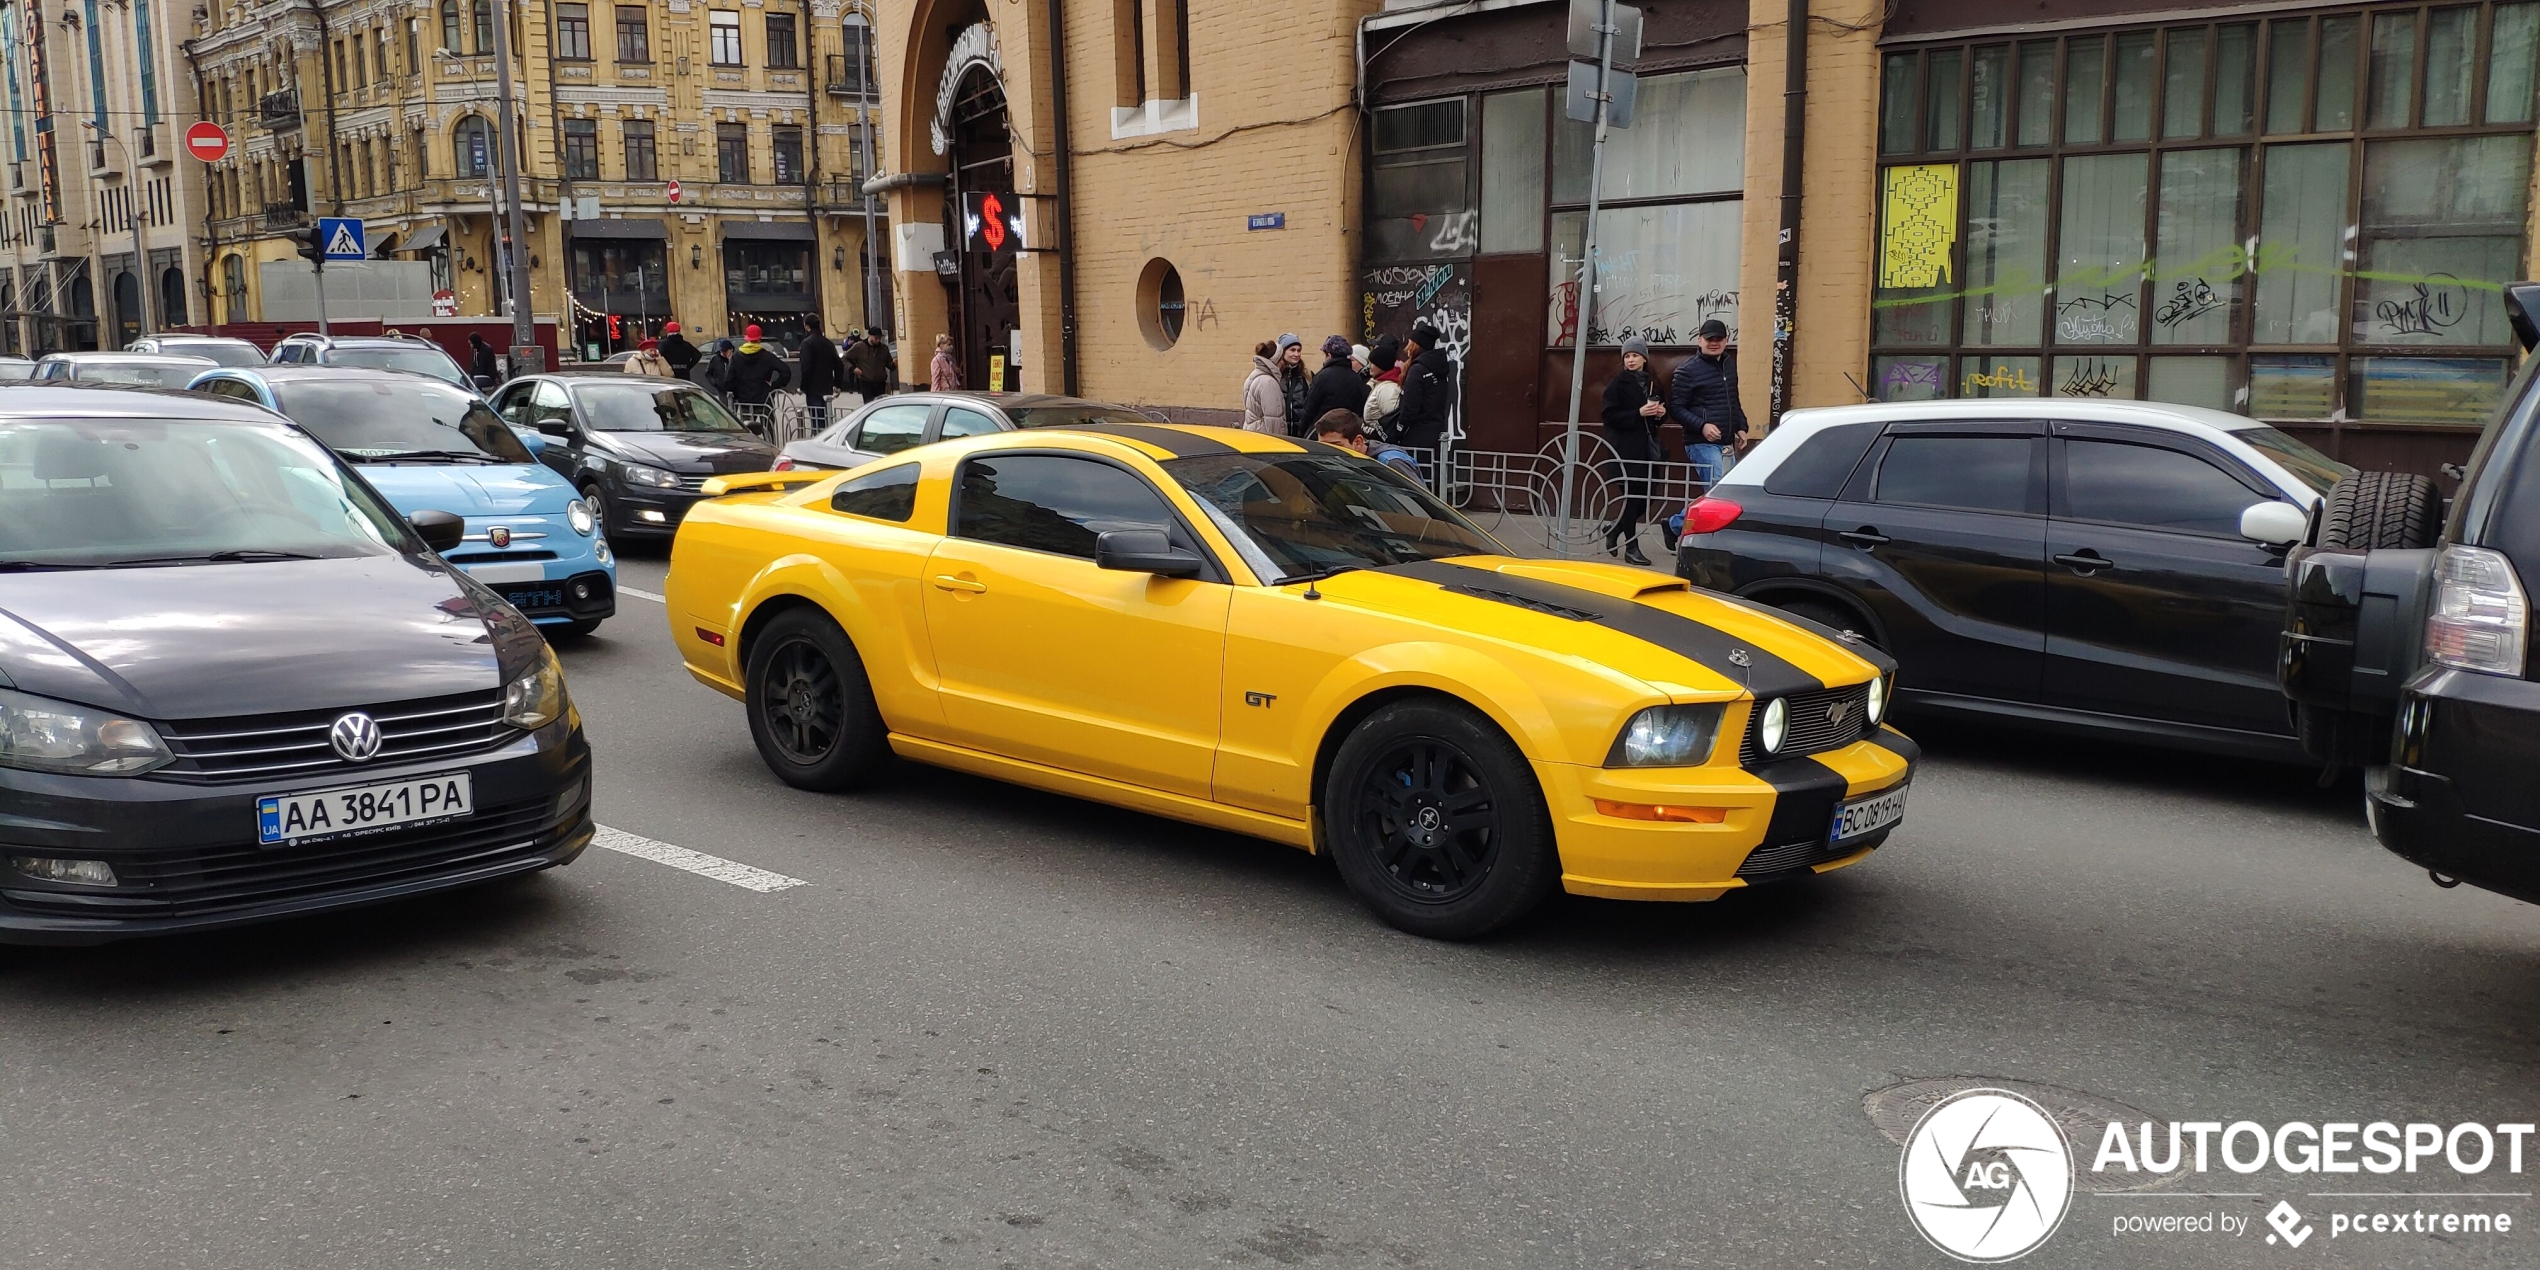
(431, 446)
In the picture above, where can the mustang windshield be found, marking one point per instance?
(1305, 515)
(421, 361)
(370, 422)
(636, 405)
(99, 493)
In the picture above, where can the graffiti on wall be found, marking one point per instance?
(1394, 298)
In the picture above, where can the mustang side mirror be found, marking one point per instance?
(439, 530)
(2275, 524)
(1144, 551)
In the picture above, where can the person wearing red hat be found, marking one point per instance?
(757, 370)
(676, 350)
(648, 360)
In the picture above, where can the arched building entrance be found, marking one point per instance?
(985, 296)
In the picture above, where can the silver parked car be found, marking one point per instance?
(131, 370)
(903, 420)
(222, 349)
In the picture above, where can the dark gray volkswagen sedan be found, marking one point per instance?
(235, 685)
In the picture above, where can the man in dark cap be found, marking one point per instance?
(1338, 385)
(1428, 387)
(1702, 397)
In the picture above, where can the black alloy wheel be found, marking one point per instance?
(1435, 821)
(810, 706)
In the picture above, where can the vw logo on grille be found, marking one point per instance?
(499, 535)
(1835, 712)
(355, 736)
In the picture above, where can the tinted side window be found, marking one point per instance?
(963, 422)
(1977, 473)
(548, 401)
(892, 429)
(890, 494)
(1818, 468)
(1050, 502)
(2151, 487)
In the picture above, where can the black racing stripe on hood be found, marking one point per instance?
(1765, 673)
(1896, 743)
(1173, 441)
(1863, 649)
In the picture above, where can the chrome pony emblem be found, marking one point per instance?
(355, 736)
(1835, 712)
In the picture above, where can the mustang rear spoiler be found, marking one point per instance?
(752, 482)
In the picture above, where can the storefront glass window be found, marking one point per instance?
(1688, 137)
(1661, 272)
(1419, 206)
(1512, 171)
(2105, 223)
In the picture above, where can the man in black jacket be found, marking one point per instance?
(1702, 396)
(822, 372)
(870, 363)
(676, 350)
(481, 366)
(1428, 386)
(757, 371)
(1338, 386)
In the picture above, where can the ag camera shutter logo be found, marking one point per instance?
(1986, 1176)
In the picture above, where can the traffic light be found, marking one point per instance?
(313, 246)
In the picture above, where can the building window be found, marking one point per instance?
(780, 42)
(2302, 218)
(640, 162)
(1419, 205)
(732, 153)
(450, 26)
(414, 46)
(853, 73)
(633, 44)
(472, 147)
(725, 31)
(343, 81)
(1160, 308)
(789, 156)
(581, 150)
(1668, 224)
(484, 26)
(573, 32)
(379, 54)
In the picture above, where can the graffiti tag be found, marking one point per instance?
(2427, 308)
(2096, 319)
(2192, 297)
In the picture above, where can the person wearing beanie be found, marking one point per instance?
(1293, 382)
(648, 360)
(676, 350)
(1428, 390)
(1384, 391)
(1632, 414)
(1702, 396)
(1338, 385)
(757, 370)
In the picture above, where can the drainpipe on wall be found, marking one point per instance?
(211, 227)
(811, 158)
(1066, 235)
(1794, 152)
(326, 77)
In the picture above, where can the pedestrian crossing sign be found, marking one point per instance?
(343, 238)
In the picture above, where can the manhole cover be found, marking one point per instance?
(2083, 1117)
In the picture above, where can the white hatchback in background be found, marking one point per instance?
(2105, 566)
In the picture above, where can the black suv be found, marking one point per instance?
(2407, 647)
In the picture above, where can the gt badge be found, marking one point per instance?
(1252, 698)
(499, 535)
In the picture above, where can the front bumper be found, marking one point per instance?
(1777, 822)
(2459, 799)
(186, 856)
(647, 511)
(581, 597)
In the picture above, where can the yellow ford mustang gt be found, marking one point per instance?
(1286, 640)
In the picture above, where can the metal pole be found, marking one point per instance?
(1587, 271)
(873, 301)
(506, 144)
(1786, 263)
(317, 269)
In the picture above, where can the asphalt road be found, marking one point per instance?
(998, 1028)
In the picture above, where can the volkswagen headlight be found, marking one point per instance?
(1667, 736)
(638, 474)
(54, 736)
(536, 698)
(1775, 727)
(1878, 700)
(578, 514)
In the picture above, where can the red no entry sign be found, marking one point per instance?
(672, 190)
(207, 141)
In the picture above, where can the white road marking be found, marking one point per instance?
(697, 862)
(641, 595)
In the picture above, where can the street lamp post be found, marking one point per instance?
(140, 252)
(524, 329)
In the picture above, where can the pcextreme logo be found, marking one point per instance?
(1986, 1176)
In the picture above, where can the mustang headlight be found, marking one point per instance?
(578, 514)
(53, 736)
(1667, 736)
(1878, 700)
(638, 474)
(1775, 727)
(536, 698)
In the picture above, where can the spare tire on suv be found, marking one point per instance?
(2377, 510)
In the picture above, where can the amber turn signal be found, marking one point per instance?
(1645, 811)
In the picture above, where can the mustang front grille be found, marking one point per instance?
(1827, 719)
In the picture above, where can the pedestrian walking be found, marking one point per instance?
(942, 374)
(480, 361)
(1702, 396)
(1632, 415)
(1294, 383)
(1384, 391)
(649, 361)
(1428, 387)
(870, 364)
(756, 372)
(1265, 407)
(676, 350)
(1337, 386)
(823, 371)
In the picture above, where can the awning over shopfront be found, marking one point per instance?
(647, 229)
(425, 239)
(769, 230)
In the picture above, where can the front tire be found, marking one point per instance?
(599, 505)
(1435, 822)
(811, 706)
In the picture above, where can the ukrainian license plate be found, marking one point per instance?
(1864, 816)
(333, 813)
